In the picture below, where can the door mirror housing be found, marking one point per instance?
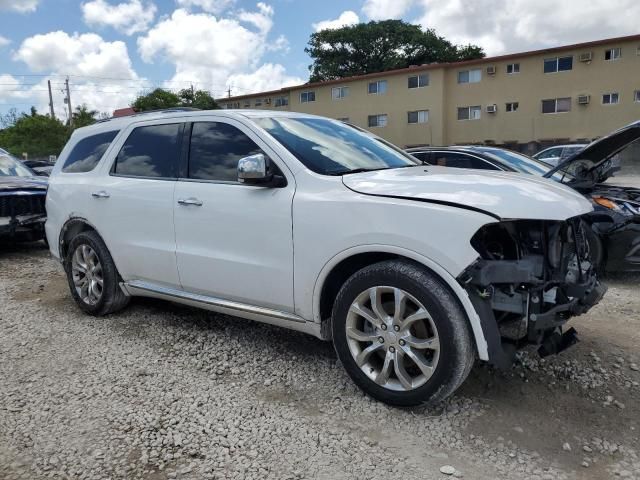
(257, 170)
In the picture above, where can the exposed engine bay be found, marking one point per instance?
(531, 277)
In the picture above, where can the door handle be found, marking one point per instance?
(100, 194)
(190, 202)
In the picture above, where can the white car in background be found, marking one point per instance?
(304, 222)
(553, 155)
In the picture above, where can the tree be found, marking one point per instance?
(160, 99)
(34, 134)
(82, 116)
(197, 99)
(379, 46)
(156, 100)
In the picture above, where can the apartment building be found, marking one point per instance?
(573, 93)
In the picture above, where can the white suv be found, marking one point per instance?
(413, 271)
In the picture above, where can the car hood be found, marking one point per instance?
(504, 195)
(9, 184)
(597, 153)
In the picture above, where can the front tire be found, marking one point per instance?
(92, 275)
(401, 334)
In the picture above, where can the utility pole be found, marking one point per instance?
(68, 100)
(229, 92)
(53, 115)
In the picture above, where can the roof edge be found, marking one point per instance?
(431, 66)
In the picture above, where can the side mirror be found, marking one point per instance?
(256, 170)
(253, 169)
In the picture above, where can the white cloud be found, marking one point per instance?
(128, 17)
(84, 58)
(211, 6)
(213, 51)
(21, 6)
(262, 19)
(268, 77)
(4, 41)
(385, 9)
(502, 26)
(346, 18)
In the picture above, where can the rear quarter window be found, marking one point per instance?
(87, 152)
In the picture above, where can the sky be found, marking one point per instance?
(112, 50)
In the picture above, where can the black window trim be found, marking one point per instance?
(180, 149)
(183, 171)
(468, 154)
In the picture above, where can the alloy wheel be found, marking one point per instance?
(392, 338)
(86, 271)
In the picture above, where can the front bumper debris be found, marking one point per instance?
(530, 280)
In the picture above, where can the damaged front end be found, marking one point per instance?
(531, 277)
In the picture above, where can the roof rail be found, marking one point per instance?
(146, 112)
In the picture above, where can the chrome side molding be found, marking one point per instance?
(251, 312)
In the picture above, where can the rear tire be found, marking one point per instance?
(411, 357)
(92, 275)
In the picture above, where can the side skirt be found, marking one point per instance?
(228, 307)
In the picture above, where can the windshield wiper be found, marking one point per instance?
(361, 170)
(356, 170)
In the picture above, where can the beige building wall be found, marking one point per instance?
(444, 95)
(532, 85)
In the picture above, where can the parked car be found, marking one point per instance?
(22, 201)
(306, 223)
(554, 155)
(40, 167)
(616, 219)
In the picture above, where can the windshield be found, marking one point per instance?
(519, 162)
(10, 167)
(330, 147)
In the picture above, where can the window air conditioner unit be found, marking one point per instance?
(584, 99)
(586, 57)
(492, 108)
(491, 70)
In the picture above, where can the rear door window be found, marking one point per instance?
(86, 154)
(422, 156)
(551, 153)
(460, 160)
(150, 152)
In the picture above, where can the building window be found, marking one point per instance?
(469, 113)
(613, 54)
(378, 120)
(247, 104)
(378, 88)
(418, 81)
(512, 107)
(419, 116)
(636, 96)
(610, 98)
(338, 93)
(470, 76)
(282, 101)
(258, 102)
(306, 97)
(556, 105)
(558, 64)
(513, 68)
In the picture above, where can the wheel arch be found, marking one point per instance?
(347, 262)
(71, 228)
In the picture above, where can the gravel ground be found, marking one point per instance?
(163, 391)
